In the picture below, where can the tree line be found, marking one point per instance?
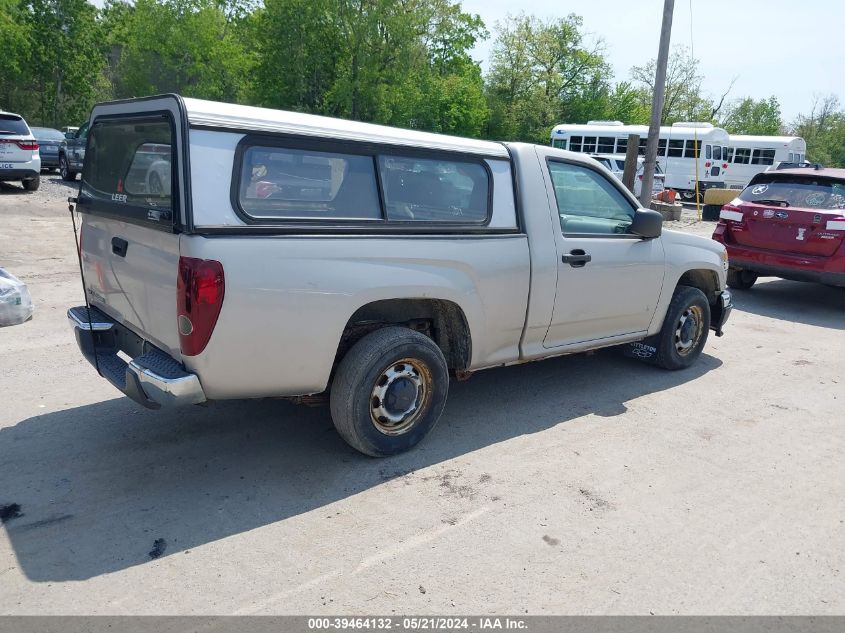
(406, 63)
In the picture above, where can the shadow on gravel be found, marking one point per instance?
(104, 487)
(13, 188)
(797, 301)
(16, 188)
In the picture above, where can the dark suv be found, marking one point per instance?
(72, 152)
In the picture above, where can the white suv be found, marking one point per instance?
(616, 164)
(19, 159)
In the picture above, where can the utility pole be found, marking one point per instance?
(631, 155)
(657, 102)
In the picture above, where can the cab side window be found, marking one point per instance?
(587, 202)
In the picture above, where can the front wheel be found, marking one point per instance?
(389, 391)
(741, 279)
(65, 170)
(684, 330)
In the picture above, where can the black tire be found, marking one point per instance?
(64, 169)
(32, 184)
(685, 329)
(741, 279)
(396, 363)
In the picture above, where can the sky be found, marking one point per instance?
(791, 49)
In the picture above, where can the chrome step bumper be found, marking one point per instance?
(151, 378)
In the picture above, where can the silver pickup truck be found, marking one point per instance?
(239, 252)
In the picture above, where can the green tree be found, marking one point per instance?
(64, 71)
(14, 53)
(684, 98)
(824, 131)
(188, 46)
(543, 73)
(402, 63)
(748, 116)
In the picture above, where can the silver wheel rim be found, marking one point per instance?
(688, 330)
(400, 396)
(63, 167)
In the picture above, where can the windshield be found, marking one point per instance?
(13, 124)
(47, 134)
(798, 191)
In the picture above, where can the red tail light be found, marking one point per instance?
(707, 164)
(199, 289)
(724, 165)
(31, 145)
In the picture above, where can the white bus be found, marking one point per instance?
(749, 155)
(678, 147)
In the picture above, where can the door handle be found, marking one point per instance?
(119, 246)
(577, 258)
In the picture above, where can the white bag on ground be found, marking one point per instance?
(15, 301)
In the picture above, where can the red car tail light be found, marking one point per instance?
(30, 145)
(199, 288)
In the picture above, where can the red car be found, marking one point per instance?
(788, 224)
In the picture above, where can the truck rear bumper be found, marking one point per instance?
(151, 378)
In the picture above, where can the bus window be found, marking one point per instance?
(621, 145)
(708, 152)
(575, 143)
(606, 144)
(560, 143)
(676, 149)
(790, 157)
(763, 157)
(729, 154)
(693, 149)
(661, 147)
(643, 143)
(589, 146)
(717, 152)
(742, 156)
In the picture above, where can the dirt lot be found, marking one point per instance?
(584, 484)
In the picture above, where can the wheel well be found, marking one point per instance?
(443, 321)
(704, 280)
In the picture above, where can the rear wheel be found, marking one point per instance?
(64, 169)
(741, 279)
(32, 184)
(684, 330)
(389, 391)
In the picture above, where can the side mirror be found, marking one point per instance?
(647, 223)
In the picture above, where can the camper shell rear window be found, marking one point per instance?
(129, 170)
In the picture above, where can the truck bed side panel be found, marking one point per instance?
(288, 299)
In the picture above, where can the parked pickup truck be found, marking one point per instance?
(289, 255)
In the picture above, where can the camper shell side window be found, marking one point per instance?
(295, 180)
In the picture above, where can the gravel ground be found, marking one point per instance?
(585, 484)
